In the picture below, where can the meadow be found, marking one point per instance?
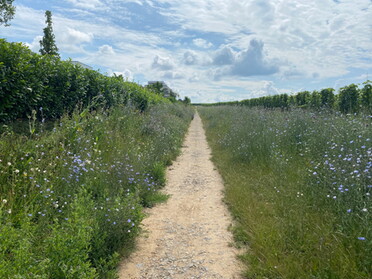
(72, 191)
(298, 183)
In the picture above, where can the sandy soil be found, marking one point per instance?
(187, 237)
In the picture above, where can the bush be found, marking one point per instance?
(29, 81)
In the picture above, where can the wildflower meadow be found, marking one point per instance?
(299, 185)
(72, 192)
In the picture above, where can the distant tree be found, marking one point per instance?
(366, 96)
(48, 44)
(327, 97)
(186, 100)
(315, 99)
(7, 11)
(156, 87)
(348, 99)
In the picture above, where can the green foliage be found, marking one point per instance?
(7, 11)
(327, 97)
(299, 184)
(186, 100)
(47, 44)
(71, 197)
(29, 81)
(366, 97)
(350, 99)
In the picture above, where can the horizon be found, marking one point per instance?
(210, 51)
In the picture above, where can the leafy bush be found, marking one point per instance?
(29, 81)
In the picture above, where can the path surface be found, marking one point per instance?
(187, 237)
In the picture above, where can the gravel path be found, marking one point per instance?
(187, 237)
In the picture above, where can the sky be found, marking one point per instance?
(210, 50)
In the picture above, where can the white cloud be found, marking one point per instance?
(71, 40)
(163, 63)
(224, 56)
(190, 57)
(87, 4)
(73, 36)
(106, 50)
(252, 62)
(172, 75)
(199, 42)
(126, 74)
(35, 45)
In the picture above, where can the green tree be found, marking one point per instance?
(156, 87)
(348, 99)
(366, 96)
(7, 11)
(48, 44)
(327, 97)
(186, 100)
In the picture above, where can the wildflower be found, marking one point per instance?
(348, 211)
(365, 210)
(129, 220)
(5, 201)
(9, 211)
(361, 238)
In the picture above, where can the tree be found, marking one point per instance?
(186, 100)
(348, 98)
(48, 44)
(327, 97)
(7, 11)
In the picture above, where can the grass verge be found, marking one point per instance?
(71, 197)
(298, 185)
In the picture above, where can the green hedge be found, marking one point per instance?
(350, 99)
(29, 81)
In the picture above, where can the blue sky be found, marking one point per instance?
(210, 50)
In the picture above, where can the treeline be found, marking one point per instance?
(350, 99)
(44, 83)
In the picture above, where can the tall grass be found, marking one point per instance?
(299, 185)
(71, 197)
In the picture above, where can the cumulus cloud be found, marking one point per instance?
(71, 40)
(268, 88)
(163, 63)
(190, 58)
(248, 62)
(35, 45)
(194, 78)
(252, 62)
(106, 49)
(224, 56)
(126, 74)
(73, 36)
(172, 75)
(202, 43)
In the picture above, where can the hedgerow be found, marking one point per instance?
(29, 81)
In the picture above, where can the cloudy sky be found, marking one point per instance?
(210, 50)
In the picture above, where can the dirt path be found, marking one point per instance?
(187, 237)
